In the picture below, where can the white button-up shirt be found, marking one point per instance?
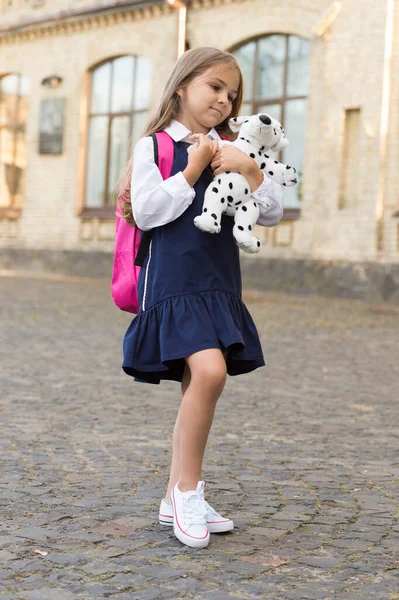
(156, 202)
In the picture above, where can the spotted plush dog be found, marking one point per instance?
(230, 193)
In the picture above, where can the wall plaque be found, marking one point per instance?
(51, 126)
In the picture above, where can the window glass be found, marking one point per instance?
(143, 81)
(280, 65)
(295, 122)
(298, 66)
(246, 109)
(14, 101)
(10, 84)
(245, 56)
(120, 99)
(273, 110)
(100, 89)
(97, 161)
(6, 165)
(120, 133)
(122, 84)
(139, 122)
(270, 68)
(8, 98)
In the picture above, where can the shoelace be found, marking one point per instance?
(194, 509)
(210, 509)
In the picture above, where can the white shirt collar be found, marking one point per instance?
(179, 132)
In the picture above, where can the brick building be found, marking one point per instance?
(78, 77)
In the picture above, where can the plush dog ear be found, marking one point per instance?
(235, 123)
(280, 145)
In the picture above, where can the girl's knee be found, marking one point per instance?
(209, 371)
(213, 375)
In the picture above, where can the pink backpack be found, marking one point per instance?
(131, 244)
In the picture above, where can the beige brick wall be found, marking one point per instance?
(346, 72)
(51, 199)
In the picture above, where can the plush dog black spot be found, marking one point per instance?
(230, 198)
(213, 216)
(241, 228)
(271, 173)
(222, 200)
(252, 155)
(214, 189)
(246, 191)
(230, 185)
(263, 165)
(250, 227)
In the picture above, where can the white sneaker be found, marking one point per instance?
(215, 522)
(189, 517)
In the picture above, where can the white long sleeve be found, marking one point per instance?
(155, 201)
(269, 197)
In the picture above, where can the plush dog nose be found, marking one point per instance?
(265, 119)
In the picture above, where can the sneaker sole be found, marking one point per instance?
(189, 541)
(212, 528)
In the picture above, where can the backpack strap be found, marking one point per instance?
(163, 158)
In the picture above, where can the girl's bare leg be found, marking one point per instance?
(175, 466)
(208, 378)
(176, 462)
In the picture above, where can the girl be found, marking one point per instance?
(192, 325)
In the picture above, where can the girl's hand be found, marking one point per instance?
(230, 158)
(199, 157)
(203, 150)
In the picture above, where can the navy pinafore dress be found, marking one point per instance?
(190, 297)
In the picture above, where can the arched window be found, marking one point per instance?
(120, 91)
(275, 70)
(14, 98)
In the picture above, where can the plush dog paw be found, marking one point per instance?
(290, 176)
(248, 243)
(251, 247)
(207, 222)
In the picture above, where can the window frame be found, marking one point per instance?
(290, 213)
(12, 211)
(107, 209)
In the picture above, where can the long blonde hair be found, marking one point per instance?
(190, 65)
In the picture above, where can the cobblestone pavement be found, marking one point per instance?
(302, 455)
